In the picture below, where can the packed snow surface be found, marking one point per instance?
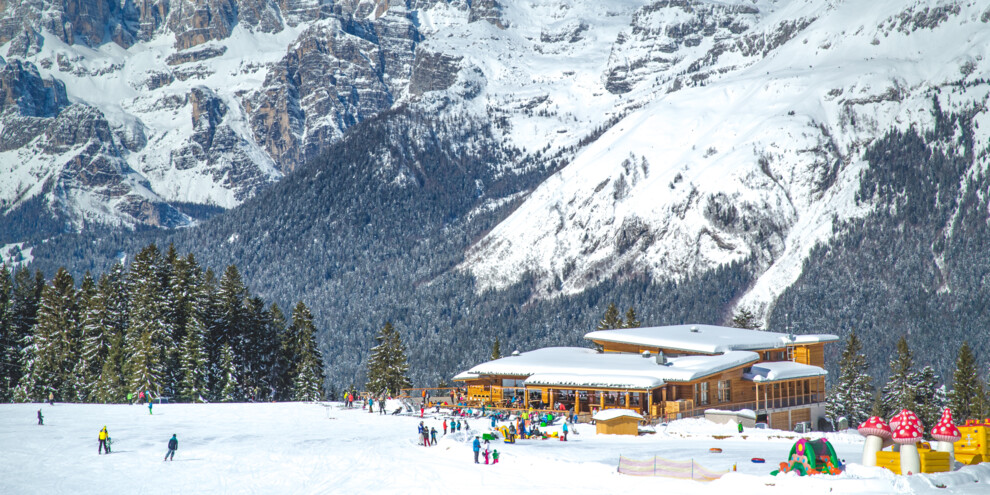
(289, 448)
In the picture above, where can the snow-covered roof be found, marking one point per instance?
(782, 370)
(708, 339)
(595, 381)
(582, 366)
(742, 413)
(608, 414)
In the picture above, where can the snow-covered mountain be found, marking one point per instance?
(688, 133)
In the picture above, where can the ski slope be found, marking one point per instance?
(290, 448)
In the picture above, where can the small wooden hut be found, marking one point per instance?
(617, 422)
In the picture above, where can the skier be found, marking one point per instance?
(565, 431)
(740, 427)
(467, 427)
(173, 443)
(130, 399)
(381, 406)
(149, 405)
(433, 435)
(493, 420)
(140, 396)
(103, 441)
(495, 456)
(476, 446)
(371, 405)
(41, 419)
(512, 433)
(51, 399)
(444, 425)
(426, 436)
(485, 454)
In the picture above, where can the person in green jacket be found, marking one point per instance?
(495, 456)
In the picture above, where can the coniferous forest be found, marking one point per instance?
(163, 325)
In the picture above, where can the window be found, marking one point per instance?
(701, 392)
(724, 391)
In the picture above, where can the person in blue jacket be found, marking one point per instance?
(173, 444)
(477, 448)
(565, 431)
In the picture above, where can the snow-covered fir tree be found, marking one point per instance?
(967, 387)
(496, 349)
(898, 393)
(745, 318)
(194, 361)
(387, 366)
(229, 390)
(111, 313)
(929, 396)
(611, 320)
(148, 334)
(25, 299)
(309, 374)
(7, 337)
(52, 354)
(95, 344)
(632, 321)
(852, 395)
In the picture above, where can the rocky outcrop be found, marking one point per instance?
(489, 11)
(88, 22)
(195, 22)
(26, 44)
(195, 55)
(25, 92)
(336, 74)
(433, 71)
(670, 41)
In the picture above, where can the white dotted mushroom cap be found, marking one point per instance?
(908, 432)
(945, 431)
(875, 427)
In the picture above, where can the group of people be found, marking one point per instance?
(105, 442)
(428, 434)
(476, 447)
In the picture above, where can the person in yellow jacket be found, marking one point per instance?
(103, 441)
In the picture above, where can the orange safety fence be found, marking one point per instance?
(658, 466)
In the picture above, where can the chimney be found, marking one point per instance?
(661, 359)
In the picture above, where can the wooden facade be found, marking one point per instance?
(622, 425)
(783, 403)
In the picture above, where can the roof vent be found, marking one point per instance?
(646, 354)
(695, 329)
(661, 359)
(515, 353)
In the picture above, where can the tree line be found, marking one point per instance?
(855, 398)
(163, 325)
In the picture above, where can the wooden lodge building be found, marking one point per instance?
(665, 373)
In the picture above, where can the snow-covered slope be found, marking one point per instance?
(743, 138)
(688, 133)
(308, 448)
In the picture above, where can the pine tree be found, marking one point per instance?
(94, 345)
(309, 375)
(229, 390)
(632, 321)
(7, 337)
(852, 396)
(611, 319)
(745, 318)
(282, 379)
(54, 349)
(929, 396)
(194, 362)
(966, 386)
(899, 393)
(110, 312)
(232, 325)
(387, 366)
(25, 298)
(496, 349)
(148, 336)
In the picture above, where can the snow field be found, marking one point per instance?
(309, 448)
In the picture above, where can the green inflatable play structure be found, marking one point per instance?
(811, 457)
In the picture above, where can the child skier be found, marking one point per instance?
(433, 435)
(495, 456)
(485, 454)
(41, 419)
(173, 444)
